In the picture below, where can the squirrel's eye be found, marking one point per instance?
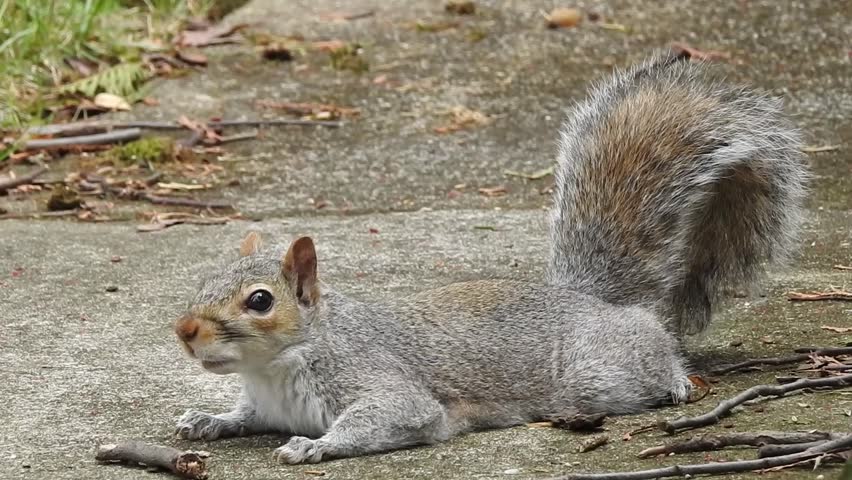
(259, 301)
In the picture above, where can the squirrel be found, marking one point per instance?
(348, 378)
(669, 184)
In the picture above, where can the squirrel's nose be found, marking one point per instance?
(187, 328)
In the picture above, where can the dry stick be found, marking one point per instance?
(88, 127)
(724, 408)
(804, 354)
(593, 444)
(115, 136)
(813, 297)
(159, 199)
(839, 445)
(183, 464)
(710, 442)
(22, 180)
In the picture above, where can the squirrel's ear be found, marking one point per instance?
(300, 267)
(251, 244)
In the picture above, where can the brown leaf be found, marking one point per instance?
(498, 191)
(564, 17)
(192, 57)
(214, 35)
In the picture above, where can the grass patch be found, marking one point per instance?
(41, 39)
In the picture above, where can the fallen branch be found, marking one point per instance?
(710, 442)
(77, 128)
(724, 408)
(834, 446)
(22, 180)
(778, 450)
(114, 136)
(803, 355)
(183, 464)
(813, 297)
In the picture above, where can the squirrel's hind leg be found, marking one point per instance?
(372, 425)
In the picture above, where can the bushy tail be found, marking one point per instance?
(672, 185)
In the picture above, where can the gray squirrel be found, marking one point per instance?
(669, 184)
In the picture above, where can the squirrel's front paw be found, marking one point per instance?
(194, 425)
(299, 450)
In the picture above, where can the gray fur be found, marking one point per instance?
(365, 378)
(701, 227)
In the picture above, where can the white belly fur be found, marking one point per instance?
(287, 404)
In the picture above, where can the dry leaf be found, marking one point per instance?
(564, 17)
(837, 329)
(111, 102)
(214, 35)
(493, 191)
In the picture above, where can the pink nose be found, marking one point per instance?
(186, 328)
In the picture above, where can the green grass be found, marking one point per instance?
(38, 36)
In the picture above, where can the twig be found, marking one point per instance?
(115, 136)
(22, 180)
(842, 267)
(778, 450)
(813, 297)
(183, 464)
(824, 148)
(89, 127)
(238, 137)
(183, 202)
(804, 355)
(38, 215)
(724, 408)
(719, 441)
(839, 445)
(593, 444)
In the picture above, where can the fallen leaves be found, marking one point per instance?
(563, 17)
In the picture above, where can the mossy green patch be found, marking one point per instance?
(145, 151)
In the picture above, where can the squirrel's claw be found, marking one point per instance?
(298, 450)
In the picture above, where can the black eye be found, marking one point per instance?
(259, 301)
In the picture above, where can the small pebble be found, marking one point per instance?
(112, 288)
(115, 259)
(512, 471)
(736, 343)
